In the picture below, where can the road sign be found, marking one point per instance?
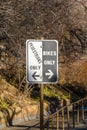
(42, 61)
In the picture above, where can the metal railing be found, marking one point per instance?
(68, 116)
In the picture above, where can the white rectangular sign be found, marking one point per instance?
(42, 61)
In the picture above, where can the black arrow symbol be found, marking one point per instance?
(34, 75)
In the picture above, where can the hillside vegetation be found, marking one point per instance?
(63, 20)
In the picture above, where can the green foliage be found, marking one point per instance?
(3, 104)
(35, 98)
(67, 35)
(65, 96)
(47, 90)
(49, 94)
(76, 98)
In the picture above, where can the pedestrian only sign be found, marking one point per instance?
(42, 61)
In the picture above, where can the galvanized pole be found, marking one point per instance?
(41, 107)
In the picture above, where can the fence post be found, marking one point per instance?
(78, 114)
(52, 122)
(68, 118)
(82, 110)
(48, 125)
(62, 119)
(73, 116)
(57, 120)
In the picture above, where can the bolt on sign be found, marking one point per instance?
(42, 61)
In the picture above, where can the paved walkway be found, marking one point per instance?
(81, 126)
(31, 125)
(35, 125)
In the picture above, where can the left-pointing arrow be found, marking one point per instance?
(34, 75)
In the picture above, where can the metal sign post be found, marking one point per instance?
(41, 107)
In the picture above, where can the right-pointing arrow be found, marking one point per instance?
(49, 74)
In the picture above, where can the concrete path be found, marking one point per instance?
(31, 125)
(35, 125)
(81, 126)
